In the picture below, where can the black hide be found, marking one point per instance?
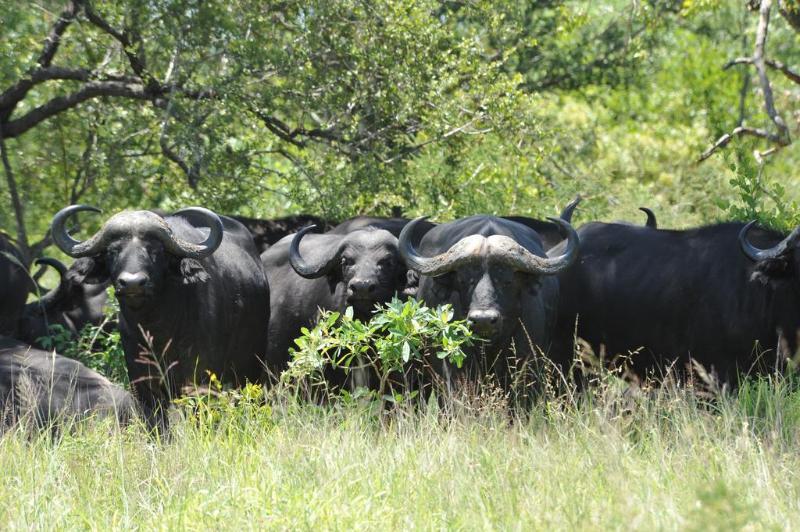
(72, 305)
(51, 388)
(368, 258)
(206, 315)
(14, 287)
(506, 307)
(267, 232)
(679, 294)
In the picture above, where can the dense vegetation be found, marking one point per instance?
(444, 108)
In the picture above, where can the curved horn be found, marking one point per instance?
(431, 266)
(566, 214)
(182, 248)
(53, 295)
(651, 222)
(756, 254)
(509, 252)
(67, 244)
(303, 268)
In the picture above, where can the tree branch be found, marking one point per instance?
(14, 94)
(740, 131)
(129, 39)
(759, 62)
(782, 138)
(788, 72)
(294, 136)
(54, 39)
(92, 89)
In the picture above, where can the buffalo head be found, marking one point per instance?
(780, 261)
(137, 252)
(366, 262)
(487, 278)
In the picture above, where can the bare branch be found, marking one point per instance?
(777, 65)
(788, 72)
(740, 131)
(758, 61)
(782, 138)
(738, 61)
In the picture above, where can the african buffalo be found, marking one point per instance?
(51, 388)
(14, 286)
(72, 305)
(267, 232)
(680, 295)
(498, 276)
(330, 271)
(204, 305)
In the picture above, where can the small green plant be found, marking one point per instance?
(759, 198)
(99, 347)
(214, 407)
(401, 332)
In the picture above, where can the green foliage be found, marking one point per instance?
(757, 197)
(99, 347)
(446, 109)
(401, 332)
(215, 408)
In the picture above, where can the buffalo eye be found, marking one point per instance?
(442, 285)
(347, 262)
(156, 253)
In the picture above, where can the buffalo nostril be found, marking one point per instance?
(483, 320)
(361, 288)
(131, 281)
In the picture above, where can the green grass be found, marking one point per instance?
(616, 457)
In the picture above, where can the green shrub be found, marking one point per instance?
(400, 333)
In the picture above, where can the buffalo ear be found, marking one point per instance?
(90, 270)
(193, 272)
(772, 269)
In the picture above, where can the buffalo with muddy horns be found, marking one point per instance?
(192, 293)
(497, 275)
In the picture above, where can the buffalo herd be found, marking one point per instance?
(201, 293)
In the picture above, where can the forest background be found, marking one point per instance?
(444, 108)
